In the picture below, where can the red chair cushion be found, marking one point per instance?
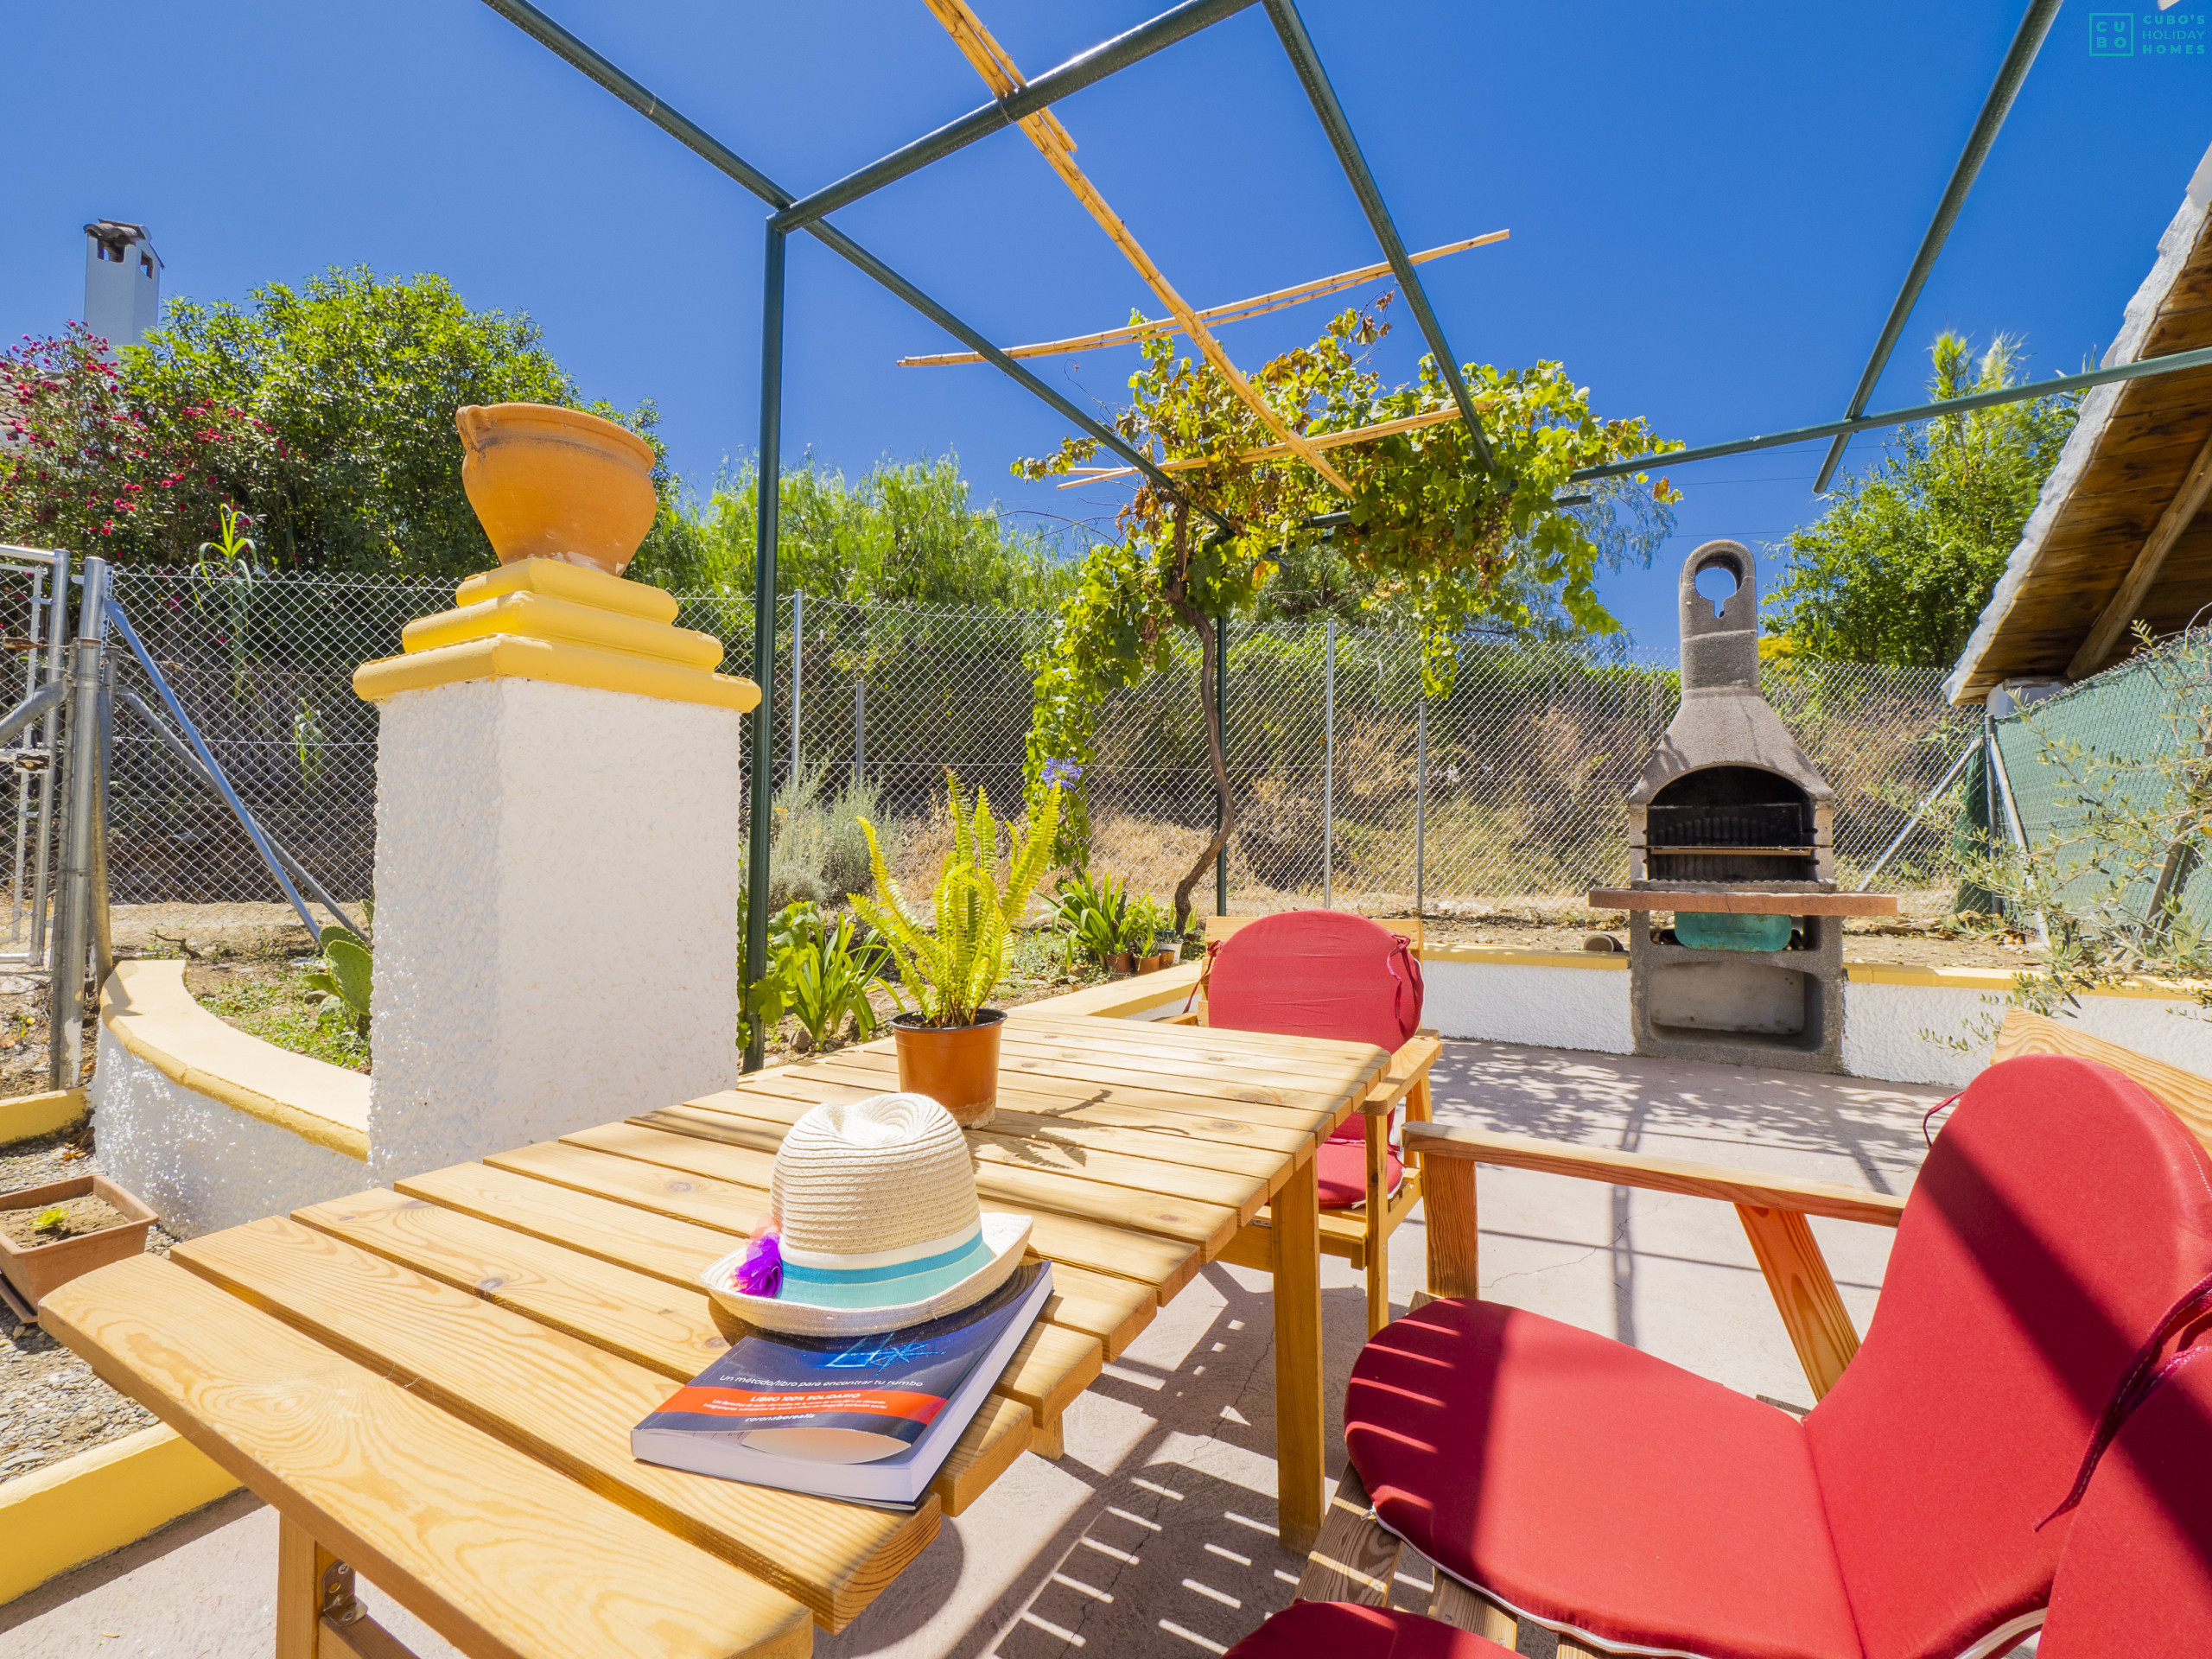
(1337, 1629)
(2135, 1578)
(2061, 1213)
(1316, 973)
(1340, 1167)
(1598, 1488)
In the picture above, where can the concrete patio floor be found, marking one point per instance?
(1155, 1533)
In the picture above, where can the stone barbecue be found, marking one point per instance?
(1730, 828)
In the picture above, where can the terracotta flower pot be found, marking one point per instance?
(957, 1066)
(44, 1267)
(1118, 963)
(550, 483)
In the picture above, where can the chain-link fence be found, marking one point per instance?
(1349, 783)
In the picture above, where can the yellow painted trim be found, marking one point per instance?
(145, 1005)
(1505, 955)
(508, 657)
(2001, 980)
(29, 1115)
(71, 1512)
(537, 616)
(574, 583)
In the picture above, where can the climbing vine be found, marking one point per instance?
(1431, 531)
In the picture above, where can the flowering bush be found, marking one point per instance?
(89, 463)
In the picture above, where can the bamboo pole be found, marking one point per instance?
(1236, 311)
(1277, 451)
(992, 63)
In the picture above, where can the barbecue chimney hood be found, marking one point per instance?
(1727, 785)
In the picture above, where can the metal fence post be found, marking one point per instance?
(65, 1023)
(1421, 802)
(1329, 767)
(860, 733)
(1221, 723)
(761, 804)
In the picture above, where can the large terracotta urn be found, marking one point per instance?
(551, 483)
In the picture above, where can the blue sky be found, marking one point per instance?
(1711, 205)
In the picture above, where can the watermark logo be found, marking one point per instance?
(2161, 34)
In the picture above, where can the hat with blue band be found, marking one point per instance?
(876, 1225)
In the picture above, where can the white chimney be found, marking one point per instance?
(123, 282)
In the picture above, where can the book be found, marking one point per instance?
(870, 1418)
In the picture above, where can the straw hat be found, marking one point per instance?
(879, 1227)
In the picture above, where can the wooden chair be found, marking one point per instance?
(1361, 1235)
(2131, 1581)
(1356, 1558)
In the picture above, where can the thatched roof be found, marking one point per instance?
(2121, 532)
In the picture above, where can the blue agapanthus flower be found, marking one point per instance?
(1058, 772)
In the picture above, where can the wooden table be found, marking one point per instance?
(437, 1384)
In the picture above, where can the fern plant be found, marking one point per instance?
(953, 968)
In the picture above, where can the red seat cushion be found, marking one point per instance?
(1340, 1166)
(2135, 1578)
(1336, 1629)
(1595, 1487)
(1316, 973)
(2061, 1213)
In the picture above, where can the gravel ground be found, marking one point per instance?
(51, 1405)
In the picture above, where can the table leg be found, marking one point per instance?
(1295, 1232)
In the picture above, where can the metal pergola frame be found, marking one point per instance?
(809, 214)
(790, 213)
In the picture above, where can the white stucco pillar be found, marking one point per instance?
(560, 818)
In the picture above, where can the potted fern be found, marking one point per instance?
(947, 1042)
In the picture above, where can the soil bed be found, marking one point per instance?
(26, 1228)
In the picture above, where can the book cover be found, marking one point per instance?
(868, 1417)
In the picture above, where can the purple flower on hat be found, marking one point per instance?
(761, 1273)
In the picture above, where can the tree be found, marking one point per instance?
(1898, 569)
(905, 532)
(1434, 536)
(325, 411)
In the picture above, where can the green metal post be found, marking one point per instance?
(761, 809)
(1221, 723)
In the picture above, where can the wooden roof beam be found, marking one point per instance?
(992, 63)
(1279, 451)
(1236, 311)
(2112, 624)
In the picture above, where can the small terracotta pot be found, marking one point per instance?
(45, 1267)
(550, 483)
(1160, 959)
(957, 1066)
(1118, 961)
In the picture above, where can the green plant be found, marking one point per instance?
(343, 983)
(1432, 529)
(825, 969)
(308, 740)
(1148, 919)
(1899, 567)
(952, 968)
(51, 1221)
(2115, 880)
(1093, 914)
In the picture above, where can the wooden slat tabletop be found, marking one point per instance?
(438, 1383)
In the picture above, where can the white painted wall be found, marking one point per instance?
(199, 1165)
(1902, 1034)
(556, 883)
(1551, 1007)
(1908, 1032)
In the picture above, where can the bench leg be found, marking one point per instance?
(1378, 1224)
(317, 1617)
